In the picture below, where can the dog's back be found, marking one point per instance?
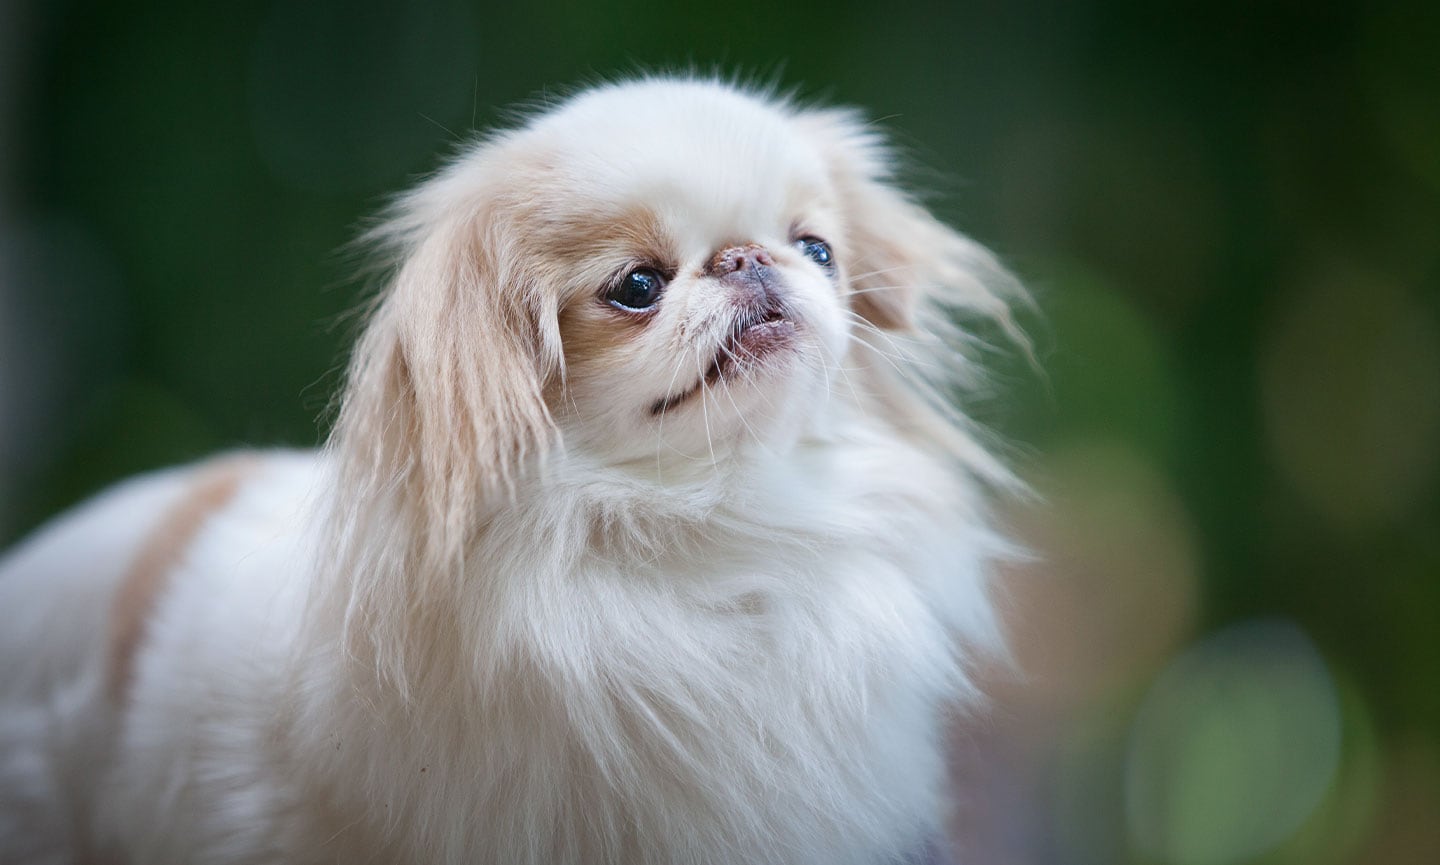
(81, 597)
(57, 590)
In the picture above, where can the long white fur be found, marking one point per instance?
(507, 616)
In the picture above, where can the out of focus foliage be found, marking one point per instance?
(1229, 212)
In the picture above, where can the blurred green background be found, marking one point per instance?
(1230, 213)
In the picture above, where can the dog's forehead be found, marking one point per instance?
(712, 160)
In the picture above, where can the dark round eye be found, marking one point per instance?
(637, 290)
(817, 251)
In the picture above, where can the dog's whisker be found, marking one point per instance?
(740, 415)
(705, 410)
(827, 359)
(664, 410)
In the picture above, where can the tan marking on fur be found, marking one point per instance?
(579, 238)
(886, 309)
(591, 330)
(887, 298)
(214, 486)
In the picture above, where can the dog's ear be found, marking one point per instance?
(901, 261)
(918, 286)
(445, 405)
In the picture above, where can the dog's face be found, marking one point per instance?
(694, 239)
(658, 270)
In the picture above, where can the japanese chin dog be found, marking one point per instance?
(649, 531)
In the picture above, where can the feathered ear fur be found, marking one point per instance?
(915, 284)
(445, 400)
(444, 408)
(903, 259)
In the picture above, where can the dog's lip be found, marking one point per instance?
(751, 338)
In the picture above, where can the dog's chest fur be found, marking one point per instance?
(700, 691)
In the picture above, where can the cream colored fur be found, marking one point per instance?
(510, 614)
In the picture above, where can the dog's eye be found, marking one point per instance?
(637, 290)
(817, 251)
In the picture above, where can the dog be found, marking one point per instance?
(648, 531)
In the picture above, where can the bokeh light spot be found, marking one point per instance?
(1351, 391)
(1233, 747)
(1407, 827)
(1338, 826)
(1112, 592)
(1111, 374)
(59, 285)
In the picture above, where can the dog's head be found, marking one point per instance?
(662, 272)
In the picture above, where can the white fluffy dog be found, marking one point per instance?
(645, 534)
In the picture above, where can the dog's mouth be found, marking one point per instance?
(753, 337)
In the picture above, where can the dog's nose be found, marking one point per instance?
(733, 259)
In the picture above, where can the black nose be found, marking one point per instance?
(734, 259)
